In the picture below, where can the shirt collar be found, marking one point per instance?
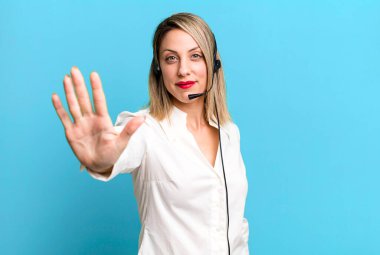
(177, 120)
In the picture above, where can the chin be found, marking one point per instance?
(183, 98)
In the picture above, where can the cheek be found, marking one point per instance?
(169, 75)
(202, 71)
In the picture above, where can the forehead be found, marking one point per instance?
(177, 40)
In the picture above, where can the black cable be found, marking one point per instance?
(224, 174)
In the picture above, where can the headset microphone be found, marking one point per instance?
(193, 96)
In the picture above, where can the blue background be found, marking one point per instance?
(303, 86)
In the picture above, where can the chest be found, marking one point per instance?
(188, 160)
(177, 174)
(207, 141)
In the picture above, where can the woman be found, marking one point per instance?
(189, 177)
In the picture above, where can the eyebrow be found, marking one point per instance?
(176, 52)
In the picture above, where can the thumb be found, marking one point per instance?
(131, 127)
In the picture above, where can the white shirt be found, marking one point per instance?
(181, 197)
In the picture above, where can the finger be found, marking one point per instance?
(62, 114)
(130, 128)
(71, 99)
(100, 103)
(81, 91)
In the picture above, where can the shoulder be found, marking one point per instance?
(123, 117)
(232, 130)
(149, 124)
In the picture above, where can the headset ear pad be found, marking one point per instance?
(156, 69)
(217, 65)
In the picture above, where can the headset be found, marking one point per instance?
(216, 66)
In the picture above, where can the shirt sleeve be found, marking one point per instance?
(237, 133)
(132, 156)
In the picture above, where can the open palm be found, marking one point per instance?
(91, 135)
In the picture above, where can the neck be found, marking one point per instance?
(195, 113)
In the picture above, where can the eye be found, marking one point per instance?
(170, 58)
(196, 55)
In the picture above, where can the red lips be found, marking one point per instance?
(185, 84)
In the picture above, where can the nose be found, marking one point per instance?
(184, 68)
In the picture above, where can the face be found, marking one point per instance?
(183, 66)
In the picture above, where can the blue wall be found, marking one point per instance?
(303, 85)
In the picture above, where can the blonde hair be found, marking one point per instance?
(160, 104)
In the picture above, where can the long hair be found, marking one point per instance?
(160, 104)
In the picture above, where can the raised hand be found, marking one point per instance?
(91, 135)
